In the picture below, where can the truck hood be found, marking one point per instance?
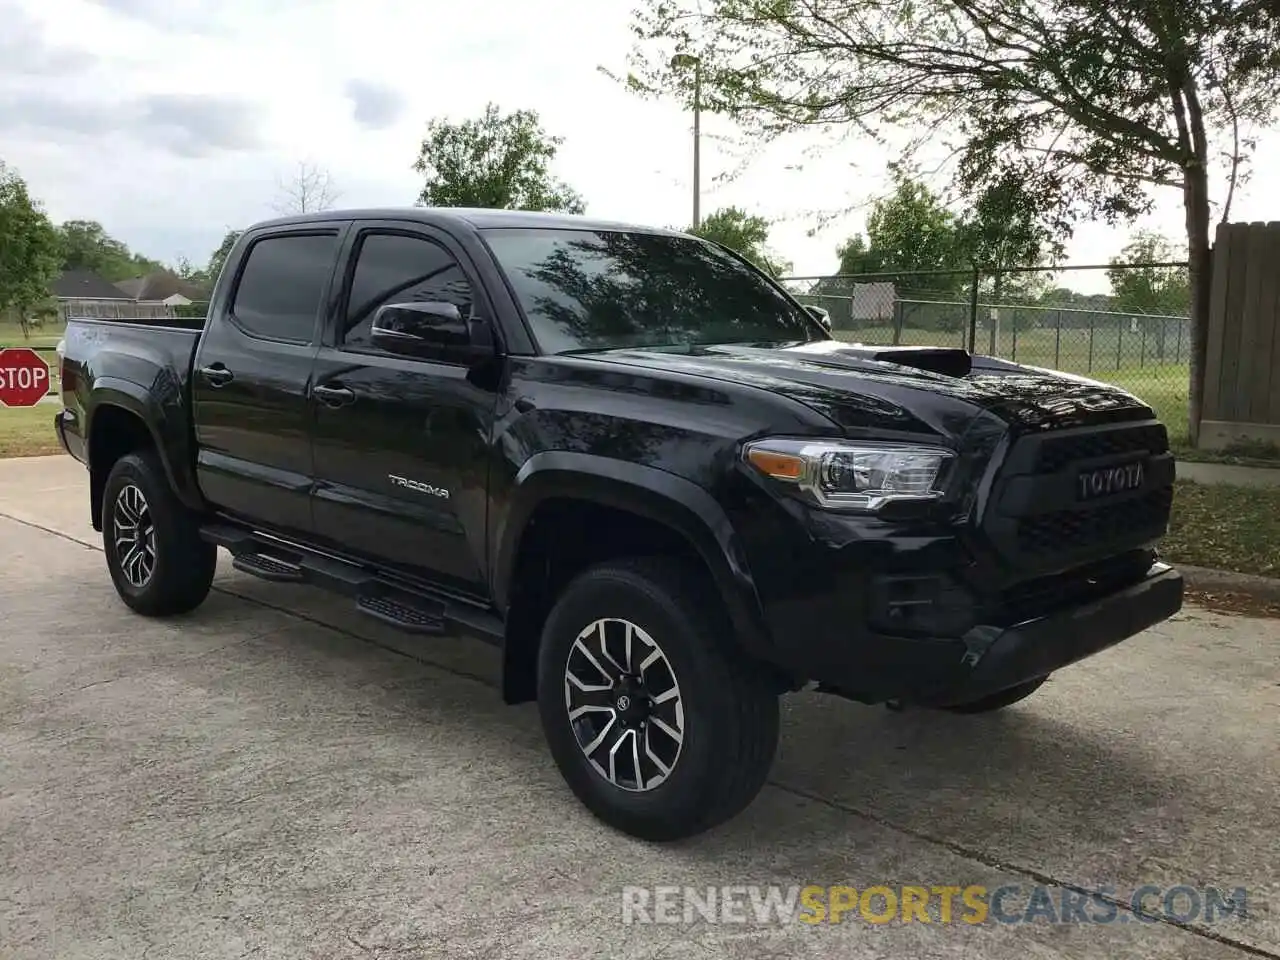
(858, 390)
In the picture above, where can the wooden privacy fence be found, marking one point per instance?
(1242, 366)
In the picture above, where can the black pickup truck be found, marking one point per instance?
(634, 462)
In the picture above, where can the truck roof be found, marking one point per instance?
(479, 218)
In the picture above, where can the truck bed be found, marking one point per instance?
(144, 362)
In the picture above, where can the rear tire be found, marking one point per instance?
(691, 724)
(158, 563)
(1000, 699)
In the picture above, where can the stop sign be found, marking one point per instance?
(24, 377)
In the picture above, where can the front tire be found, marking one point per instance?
(158, 563)
(661, 729)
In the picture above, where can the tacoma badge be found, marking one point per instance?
(418, 487)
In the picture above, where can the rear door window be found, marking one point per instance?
(281, 286)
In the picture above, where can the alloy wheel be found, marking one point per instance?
(624, 704)
(134, 535)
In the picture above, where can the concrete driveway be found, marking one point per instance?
(275, 776)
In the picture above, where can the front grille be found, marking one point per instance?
(1136, 519)
(1056, 453)
(1036, 521)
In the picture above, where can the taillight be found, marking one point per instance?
(66, 377)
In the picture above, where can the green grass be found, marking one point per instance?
(1225, 527)
(46, 338)
(28, 431)
(1164, 388)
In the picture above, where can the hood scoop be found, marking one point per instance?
(947, 361)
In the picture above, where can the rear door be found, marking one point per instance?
(401, 444)
(250, 388)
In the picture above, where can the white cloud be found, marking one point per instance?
(375, 105)
(190, 125)
(171, 120)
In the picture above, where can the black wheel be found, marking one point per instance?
(999, 699)
(659, 727)
(158, 562)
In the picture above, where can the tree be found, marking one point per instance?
(195, 275)
(86, 245)
(500, 161)
(1004, 229)
(911, 252)
(911, 234)
(856, 256)
(743, 233)
(188, 271)
(931, 251)
(219, 256)
(29, 249)
(1139, 287)
(309, 190)
(1091, 102)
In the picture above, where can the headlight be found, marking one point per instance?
(857, 475)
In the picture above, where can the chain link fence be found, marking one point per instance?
(1128, 325)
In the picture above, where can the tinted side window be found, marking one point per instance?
(281, 286)
(391, 268)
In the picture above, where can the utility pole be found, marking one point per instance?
(679, 62)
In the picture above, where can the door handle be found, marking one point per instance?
(334, 396)
(217, 375)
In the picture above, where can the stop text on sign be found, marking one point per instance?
(24, 377)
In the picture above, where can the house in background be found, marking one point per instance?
(82, 293)
(157, 296)
(161, 287)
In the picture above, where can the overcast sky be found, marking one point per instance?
(170, 121)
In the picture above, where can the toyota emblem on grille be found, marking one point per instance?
(1107, 481)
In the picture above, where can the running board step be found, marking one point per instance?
(267, 567)
(380, 594)
(403, 616)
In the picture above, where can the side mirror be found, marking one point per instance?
(819, 314)
(431, 330)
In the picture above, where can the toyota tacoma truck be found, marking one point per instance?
(636, 464)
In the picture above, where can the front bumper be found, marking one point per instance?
(992, 659)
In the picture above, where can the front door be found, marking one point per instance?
(401, 444)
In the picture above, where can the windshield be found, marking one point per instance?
(588, 290)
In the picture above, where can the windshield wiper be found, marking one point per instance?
(586, 351)
(684, 346)
(763, 344)
(579, 351)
